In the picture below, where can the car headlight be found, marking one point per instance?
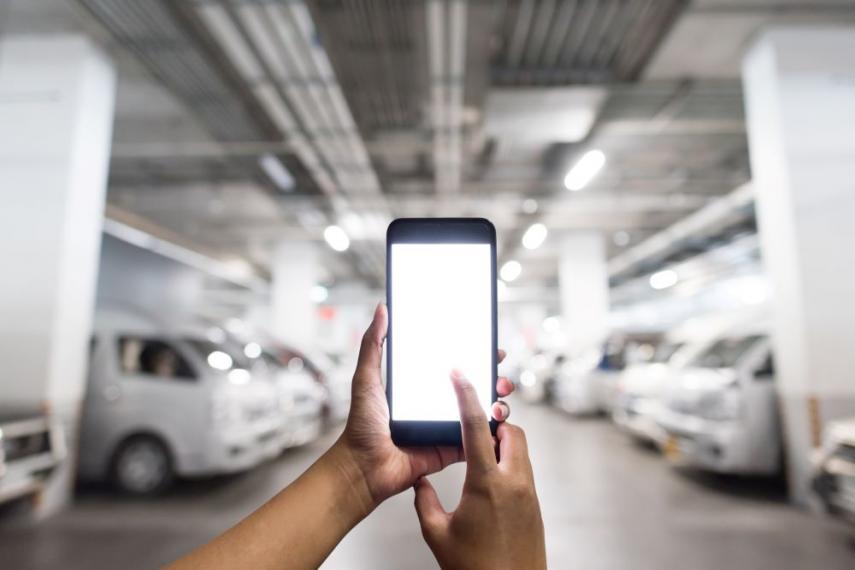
(720, 405)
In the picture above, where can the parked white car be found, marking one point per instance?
(576, 387)
(537, 377)
(640, 387)
(720, 412)
(301, 401)
(834, 469)
(162, 403)
(589, 383)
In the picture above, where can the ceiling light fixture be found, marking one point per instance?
(664, 279)
(584, 170)
(336, 238)
(276, 171)
(534, 236)
(510, 271)
(529, 206)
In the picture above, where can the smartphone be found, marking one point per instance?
(441, 297)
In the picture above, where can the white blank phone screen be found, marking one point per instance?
(441, 319)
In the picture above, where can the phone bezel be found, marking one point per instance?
(437, 230)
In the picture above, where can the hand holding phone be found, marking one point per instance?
(498, 522)
(385, 468)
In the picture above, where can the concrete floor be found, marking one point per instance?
(607, 504)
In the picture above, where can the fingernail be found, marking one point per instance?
(457, 374)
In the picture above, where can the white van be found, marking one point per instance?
(163, 403)
(301, 400)
(641, 385)
(639, 392)
(720, 412)
(589, 383)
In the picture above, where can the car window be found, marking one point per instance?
(725, 352)
(665, 351)
(152, 357)
(613, 357)
(767, 369)
(271, 361)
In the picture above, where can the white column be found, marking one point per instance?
(56, 116)
(800, 99)
(295, 272)
(584, 289)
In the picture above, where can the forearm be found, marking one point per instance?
(297, 528)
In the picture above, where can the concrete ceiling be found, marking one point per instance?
(670, 122)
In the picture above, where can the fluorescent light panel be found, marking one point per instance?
(534, 236)
(276, 171)
(336, 238)
(584, 170)
(510, 271)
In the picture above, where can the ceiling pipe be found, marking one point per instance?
(457, 63)
(299, 77)
(436, 64)
(705, 220)
(446, 26)
(345, 132)
(132, 229)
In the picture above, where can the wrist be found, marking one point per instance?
(355, 492)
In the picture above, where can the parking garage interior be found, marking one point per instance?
(196, 202)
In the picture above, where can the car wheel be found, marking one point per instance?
(142, 466)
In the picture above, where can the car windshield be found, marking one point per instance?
(613, 357)
(665, 351)
(726, 352)
(270, 360)
(219, 356)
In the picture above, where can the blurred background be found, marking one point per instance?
(195, 197)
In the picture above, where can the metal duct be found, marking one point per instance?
(725, 211)
(169, 43)
(254, 71)
(560, 42)
(446, 26)
(273, 46)
(376, 47)
(150, 30)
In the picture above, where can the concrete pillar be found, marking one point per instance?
(56, 116)
(351, 308)
(800, 101)
(295, 272)
(584, 289)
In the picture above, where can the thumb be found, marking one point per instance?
(371, 350)
(432, 517)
